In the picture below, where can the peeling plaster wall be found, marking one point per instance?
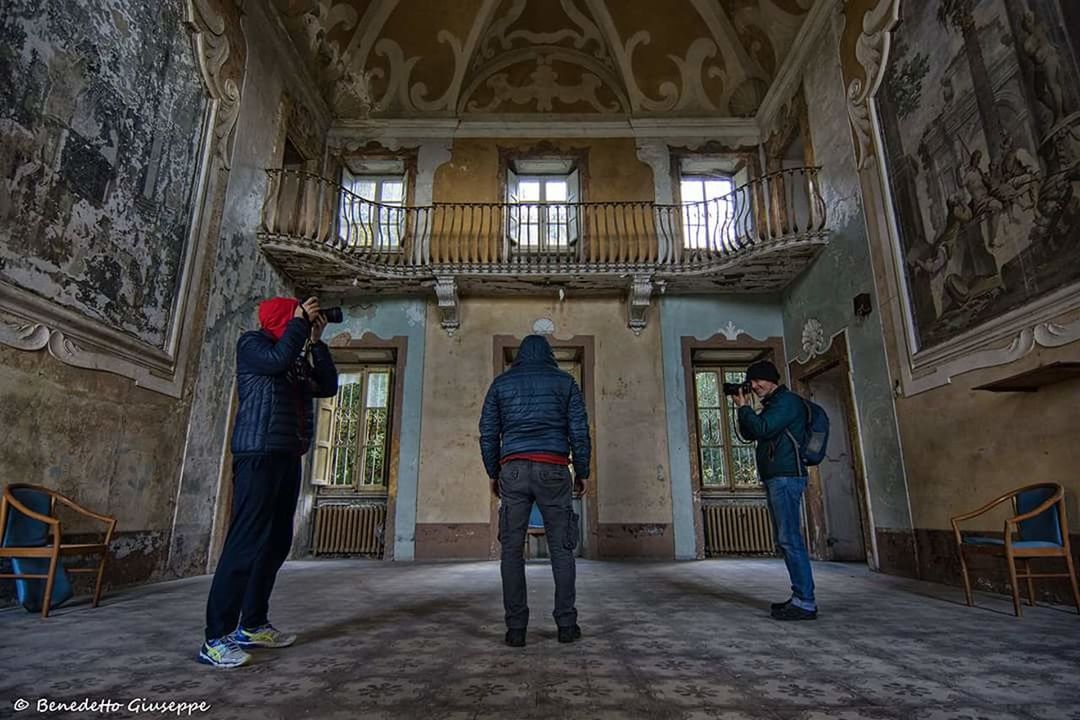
(242, 278)
(630, 439)
(99, 439)
(701, 318)
(102, 110)
(826, 290)
(97, 164)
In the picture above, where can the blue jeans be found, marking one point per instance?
(785, 502)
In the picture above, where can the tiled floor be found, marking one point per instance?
(688, 640)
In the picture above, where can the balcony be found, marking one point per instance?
(755, 239)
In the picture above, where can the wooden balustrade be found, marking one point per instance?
(530, 238)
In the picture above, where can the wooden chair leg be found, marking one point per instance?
(967, 581)
(1015, 586)
(46, 600)
(1030, 582)
(100, 576)
(1072, 578)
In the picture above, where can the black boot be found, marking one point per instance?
(515, 637)
(779, 606)
(794, 612)
(570, 633)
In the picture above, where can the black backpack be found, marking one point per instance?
(812, 450)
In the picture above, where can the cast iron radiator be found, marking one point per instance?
(349, 528)
(738, 528)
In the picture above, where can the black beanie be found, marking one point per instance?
(763, 370)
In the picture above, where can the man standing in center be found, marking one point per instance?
(533, 422)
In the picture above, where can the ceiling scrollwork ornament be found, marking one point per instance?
(584, 35)
(871, 52)
(545, 85)
(214, 47)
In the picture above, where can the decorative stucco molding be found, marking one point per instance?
(448, 304)
(543, 326)
(814, 342)
(1047, 334)
(30, 335)
(211, 42)
(871, 52)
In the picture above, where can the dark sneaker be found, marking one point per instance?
(794, 612)
(570, 633)
(515, 637)
(779, 606)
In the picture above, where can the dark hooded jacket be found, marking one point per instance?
(534, 407)
(782, 421)
(275, 385)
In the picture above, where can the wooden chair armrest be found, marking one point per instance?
(80, 509)
(984, 509)
(30, 513)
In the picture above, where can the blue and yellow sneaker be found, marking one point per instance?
(264, 636)
(223, 653)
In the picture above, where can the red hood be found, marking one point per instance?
(275, 314)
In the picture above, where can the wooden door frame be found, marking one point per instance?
(586, 344)
(772, 348)
(400, 345)
(802, 374)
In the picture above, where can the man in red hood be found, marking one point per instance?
(280, 369)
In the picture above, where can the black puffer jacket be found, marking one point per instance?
(534, 407)
(275, 386)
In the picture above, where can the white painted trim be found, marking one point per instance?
(791, 70)
(739, 131)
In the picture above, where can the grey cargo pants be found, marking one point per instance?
(520, 483)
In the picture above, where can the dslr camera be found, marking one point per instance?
(331, 314)
(737, 388)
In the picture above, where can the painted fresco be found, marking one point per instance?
(980, 117)
(101, 124)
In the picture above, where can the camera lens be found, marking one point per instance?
(332, 314)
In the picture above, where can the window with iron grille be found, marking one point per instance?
(352, 435)
(726, 460)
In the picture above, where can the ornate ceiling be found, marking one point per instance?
(616, 58)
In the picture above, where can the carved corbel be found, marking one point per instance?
(210, 38)
(639, 299)
(446, 293)
(871, 52)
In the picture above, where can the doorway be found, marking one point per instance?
(573, 356)
(836, 508)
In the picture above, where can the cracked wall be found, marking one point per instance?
(824, 293)
(241, 279)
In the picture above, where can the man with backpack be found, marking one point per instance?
(781, 430)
